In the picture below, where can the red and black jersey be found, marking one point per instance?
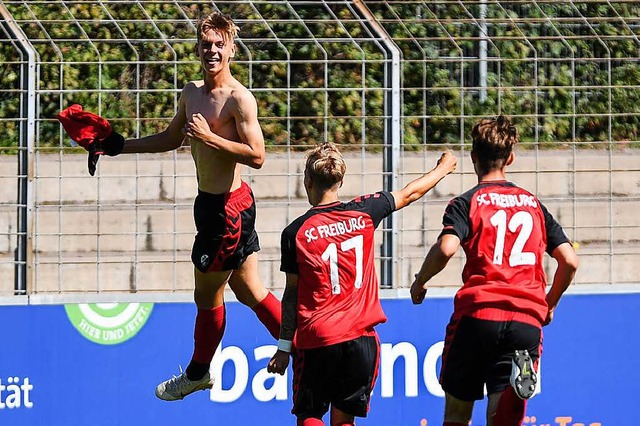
(504, 231)
(331, 249)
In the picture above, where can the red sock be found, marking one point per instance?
(510, 410)
(269, 313)
(454, 424)
(344, 423)
(209, 328)
(311, 421)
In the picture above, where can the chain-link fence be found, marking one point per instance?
(392, 82)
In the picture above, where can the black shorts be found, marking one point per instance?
(226, 229)
(342, 375)
(478, 352)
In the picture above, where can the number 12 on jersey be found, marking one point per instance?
(331, 255)
(522, 220)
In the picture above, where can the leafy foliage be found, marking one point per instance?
(566, 71)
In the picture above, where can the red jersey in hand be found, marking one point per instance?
(83, 127)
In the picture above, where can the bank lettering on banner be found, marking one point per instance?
(267, 387)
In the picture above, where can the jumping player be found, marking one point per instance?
(330, 302)
(494, 336)
(218, 117)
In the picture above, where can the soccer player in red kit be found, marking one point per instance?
(495, 333)
(330, 302)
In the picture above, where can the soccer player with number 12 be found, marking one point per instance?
(495, 333)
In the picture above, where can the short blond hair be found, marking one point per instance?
(493, 142)
(325, 165)
(216, 21)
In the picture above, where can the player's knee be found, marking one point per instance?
(340, 418)
(246, 296)
(457, 411)
(248, 292)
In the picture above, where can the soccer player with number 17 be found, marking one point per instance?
(331, 299)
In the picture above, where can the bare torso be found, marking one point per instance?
(216, 172)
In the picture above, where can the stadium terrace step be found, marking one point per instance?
(141, 212)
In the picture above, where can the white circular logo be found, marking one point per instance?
(109, 323)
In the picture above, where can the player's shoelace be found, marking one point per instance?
(178, 386)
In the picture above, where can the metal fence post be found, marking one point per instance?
(389, 271)
(28, 74)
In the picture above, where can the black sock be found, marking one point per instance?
(196, 371)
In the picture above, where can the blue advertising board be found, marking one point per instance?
(99, 364)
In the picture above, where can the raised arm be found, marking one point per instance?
(567, 260)
(280, 361)
(416, 189)
(436, 260)
(250, 151)
(169, 139)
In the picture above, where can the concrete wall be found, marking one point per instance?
(131, 228)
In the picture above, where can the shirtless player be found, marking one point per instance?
(218, 116)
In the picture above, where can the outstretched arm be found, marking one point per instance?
(169, 139)
(416, 189)
(250, 150)
(436, 260)
(567, 260)
(280, 361)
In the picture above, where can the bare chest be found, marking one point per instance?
(218, 111)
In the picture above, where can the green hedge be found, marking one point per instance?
(555, 61)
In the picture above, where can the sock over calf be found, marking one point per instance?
(311, 421)
(269, 313)
(208, 332)
(510, 410)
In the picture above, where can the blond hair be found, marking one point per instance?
(493, 142)
(325, 165)
(216, 21)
